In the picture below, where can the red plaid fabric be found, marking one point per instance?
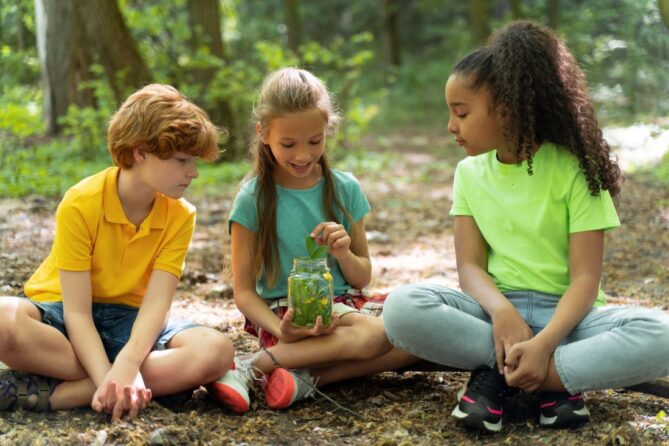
(363, 301)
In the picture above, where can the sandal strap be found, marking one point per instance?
(43, 393)
(8, 390)
(29, 385)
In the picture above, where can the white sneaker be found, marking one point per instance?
(232, 389)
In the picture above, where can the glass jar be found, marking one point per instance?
(310, 291)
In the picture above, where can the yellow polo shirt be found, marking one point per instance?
(93, 234)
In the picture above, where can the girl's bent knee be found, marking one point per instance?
(370, 341)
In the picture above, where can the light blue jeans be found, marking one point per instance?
(611, 347)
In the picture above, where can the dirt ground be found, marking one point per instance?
(410, 240)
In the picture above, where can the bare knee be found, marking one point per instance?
(369, 339)
(212, 358)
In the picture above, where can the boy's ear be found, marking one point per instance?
(260, 133)
(139, 155)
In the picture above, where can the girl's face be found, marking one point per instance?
(297, 141)
(476, 126)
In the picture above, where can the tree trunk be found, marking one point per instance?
(517, 9)
(294, 24)
(554, 13)
(663, 5)
(479, 17)
(53, 52)
(107, 33)
(20, 27)
(204, 17)
(390, 15)
(64, 61)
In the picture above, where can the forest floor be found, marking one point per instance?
(410, 236)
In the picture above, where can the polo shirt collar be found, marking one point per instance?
(113, 209)
(111, 202)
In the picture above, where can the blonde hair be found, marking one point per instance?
(284, 91)
(161, 121)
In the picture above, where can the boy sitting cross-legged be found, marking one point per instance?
(96, 328)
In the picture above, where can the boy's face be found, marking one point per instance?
(171, 176)
(297, 141)
(476, 127)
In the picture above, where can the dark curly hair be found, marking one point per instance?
(541, 93)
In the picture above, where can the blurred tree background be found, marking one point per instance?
(65, 66)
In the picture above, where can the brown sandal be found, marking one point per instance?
(25, 390)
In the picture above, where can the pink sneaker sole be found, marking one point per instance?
(280, 389)
(230, 397)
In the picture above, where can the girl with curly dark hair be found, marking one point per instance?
(531, 204)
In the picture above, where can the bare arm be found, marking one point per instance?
(528, 362)
(472, 260)
(244, 284)
(123, 389)
(586, 252)
(77, 312)
(471, 256)
(151, 319)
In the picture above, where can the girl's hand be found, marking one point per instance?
(290, 333)
(334, 236)
(527, 365)
(508, 328)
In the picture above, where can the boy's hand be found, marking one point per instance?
(334, 236)
(508, 329)
(527, 365)
(290, 333)
(119, 396)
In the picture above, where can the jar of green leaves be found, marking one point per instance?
(310, 291)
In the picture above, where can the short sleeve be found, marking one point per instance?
(460, 205)
(73, 240)
(244, 209)
(588, 212)
(172, 256)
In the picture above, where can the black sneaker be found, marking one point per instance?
(480, 401)
(562, 409)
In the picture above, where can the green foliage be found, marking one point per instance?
(310, 293)
(315, 250)
(624, 51)
(217, 179)
(18, 67)
(622, 45)
(87, 126)
(47, 170)
(20, 111)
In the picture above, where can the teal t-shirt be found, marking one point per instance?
(298, 212)
(526, 220)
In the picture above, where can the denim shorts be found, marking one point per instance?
(114, 323)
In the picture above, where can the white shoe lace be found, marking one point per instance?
(247, 373)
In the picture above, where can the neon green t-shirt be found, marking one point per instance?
(526, 220)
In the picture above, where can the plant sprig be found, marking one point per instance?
(315, 250)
